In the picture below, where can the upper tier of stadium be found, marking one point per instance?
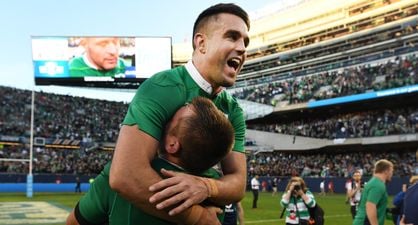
(313, 22)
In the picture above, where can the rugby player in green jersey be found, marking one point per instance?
(220, 38)
(374, 198)
(197, 137)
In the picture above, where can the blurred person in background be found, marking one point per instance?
(296, 200)
(100, 58)
(274, 186)
(398, 200)
(77, 185)
(354, 190)
(373, 203)
(322, 187)
(255, 188)
(410, 205)
(234, 214)
(331, 187)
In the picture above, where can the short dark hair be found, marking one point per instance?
(382, 165)
(205, 138)
(356, 171)
(214, 10)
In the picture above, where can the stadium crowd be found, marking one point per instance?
(60, 116)
(316, 164)
(54, 161)
(398, 72)
(370, 123)
(327, 164)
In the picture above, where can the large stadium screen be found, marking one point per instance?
(115, 62)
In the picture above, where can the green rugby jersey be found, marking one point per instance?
(159, 97)
(101, 204)
(374, 192)
(79, 68)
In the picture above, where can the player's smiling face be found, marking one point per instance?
(103, 52)
(225, 49)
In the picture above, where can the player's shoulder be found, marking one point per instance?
(169, 77)
(76, 61)
(229, 101)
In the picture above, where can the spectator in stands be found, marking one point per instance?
(372, 208)
(351, 80)
(185, 148)
(351, 125)
(100, 58)
(220, 38)
(354, 190)
(296, 200)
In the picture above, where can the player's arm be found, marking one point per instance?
(371, 213)
(71, 220)
(240, 213)
(131, 174)
(230, 188)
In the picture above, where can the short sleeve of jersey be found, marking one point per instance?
(238, 123)
(229, 104)
(155, 102)
(93, 207)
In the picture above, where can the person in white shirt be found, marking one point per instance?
(255, 187)
(322, 187)
(354, 189)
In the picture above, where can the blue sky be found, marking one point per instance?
(21, 19)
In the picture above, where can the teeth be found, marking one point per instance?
(237, 61)
(234, 62)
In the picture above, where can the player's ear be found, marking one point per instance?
(199, 40)
(172, 144)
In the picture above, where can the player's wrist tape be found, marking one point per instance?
(211, 186)
(193, 214)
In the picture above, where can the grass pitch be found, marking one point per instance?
(267, 213)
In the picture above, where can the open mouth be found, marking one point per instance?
(234, 63)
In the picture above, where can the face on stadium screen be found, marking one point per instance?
(99, 61)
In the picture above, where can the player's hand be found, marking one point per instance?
(292, 186)
(210, 216)
(178, 188)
